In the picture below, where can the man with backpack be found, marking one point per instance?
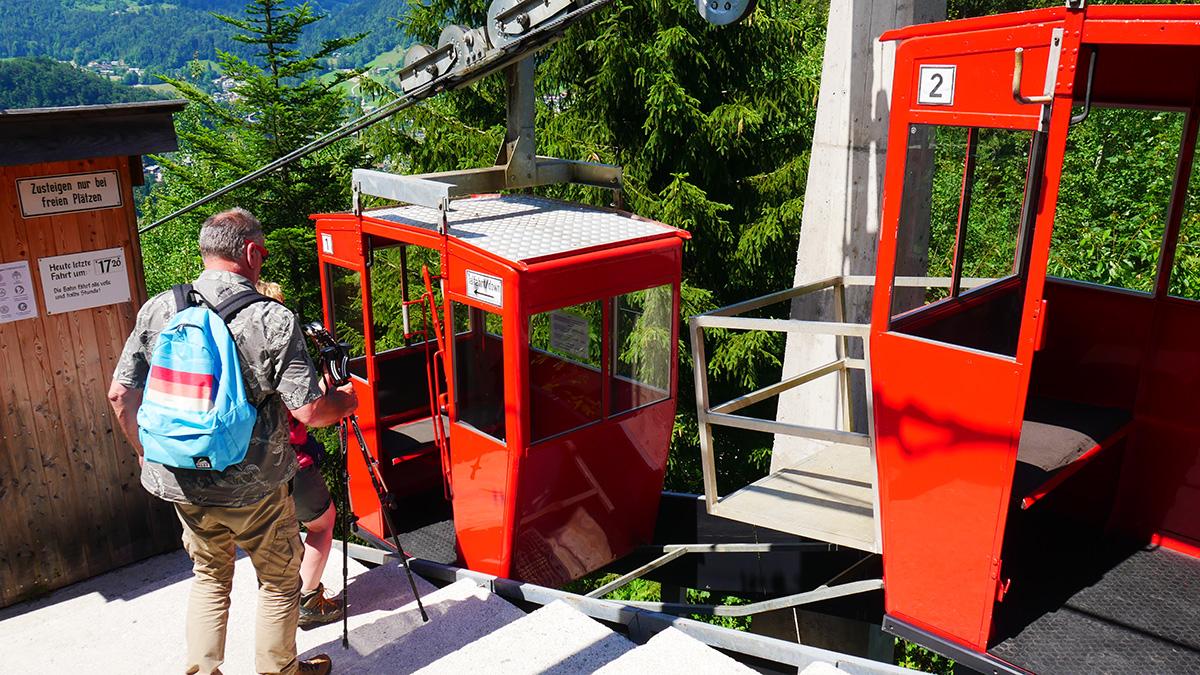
(203, 390)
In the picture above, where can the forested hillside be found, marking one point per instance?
(41, 82)
(164, 37)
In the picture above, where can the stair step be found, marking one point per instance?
(671, 651)
(386, 632)
(556, 638)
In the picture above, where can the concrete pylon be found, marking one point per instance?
(840, 228)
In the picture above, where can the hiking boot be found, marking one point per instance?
(317, 665)
(315, 608)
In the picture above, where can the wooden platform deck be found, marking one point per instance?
(829, 496)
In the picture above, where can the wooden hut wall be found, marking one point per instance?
(71, 502)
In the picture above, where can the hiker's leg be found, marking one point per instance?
(316, 549)
(270, 536)
(210, 545)
(314, 508)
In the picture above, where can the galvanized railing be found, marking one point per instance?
(723, 413)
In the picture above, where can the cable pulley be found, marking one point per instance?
(469, 45)
(423, 64)
(725, 12)
(508, 20)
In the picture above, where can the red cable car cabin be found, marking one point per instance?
(554, 374)
(1038, 433)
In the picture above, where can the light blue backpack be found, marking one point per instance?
(194, 412)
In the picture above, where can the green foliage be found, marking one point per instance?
(1110, 216)
(395, 269)
(1112, 209)
(165, 36)
(42, 82)
(909, 655)
(644, 590)
(282, 104)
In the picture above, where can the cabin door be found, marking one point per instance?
(949, 388)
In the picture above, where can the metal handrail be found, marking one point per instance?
(727, 317)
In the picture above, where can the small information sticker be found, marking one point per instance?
(485, 288)
(50, 195)
(84, 280)
(569, 334)
(16, 292)
(327, 243)
(936, 85)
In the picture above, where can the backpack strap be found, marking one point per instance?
(183, 296)
(239, 301)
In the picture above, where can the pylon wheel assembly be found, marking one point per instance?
(725, 12)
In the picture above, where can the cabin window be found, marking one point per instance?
(479, 371)
(565, 383)
(641, 361)
(960, 231)
(1185, 277)
(395, 278)
(345, 305)
(1113, 197)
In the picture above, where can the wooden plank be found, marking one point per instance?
(70, 486)
(36, 553)
(148, 526)
(73, 357)
(27, 510)
(16, 555)
(827, 496)
(116, 460)
(40, 339)
(110, 471)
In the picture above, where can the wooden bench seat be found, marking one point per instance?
(1058, 438)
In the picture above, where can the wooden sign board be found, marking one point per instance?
(51, 195)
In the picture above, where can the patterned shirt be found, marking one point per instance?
(279, 376)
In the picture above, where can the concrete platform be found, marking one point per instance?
(131, 621)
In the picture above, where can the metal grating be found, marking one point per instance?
(1142, 615)
(527, 227)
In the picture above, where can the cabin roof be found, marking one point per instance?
(527, 228)
(41, 135)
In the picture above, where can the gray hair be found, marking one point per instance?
(224, 235)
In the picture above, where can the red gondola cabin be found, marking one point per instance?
(1036, 415)
(553, 371)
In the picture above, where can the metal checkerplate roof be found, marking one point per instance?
(527, 227)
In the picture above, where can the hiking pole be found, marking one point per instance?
(345, 514)
(386, 502)
(335, 359)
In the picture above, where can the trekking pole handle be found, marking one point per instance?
(335, 356)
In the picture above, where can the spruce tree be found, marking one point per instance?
(282, 99)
